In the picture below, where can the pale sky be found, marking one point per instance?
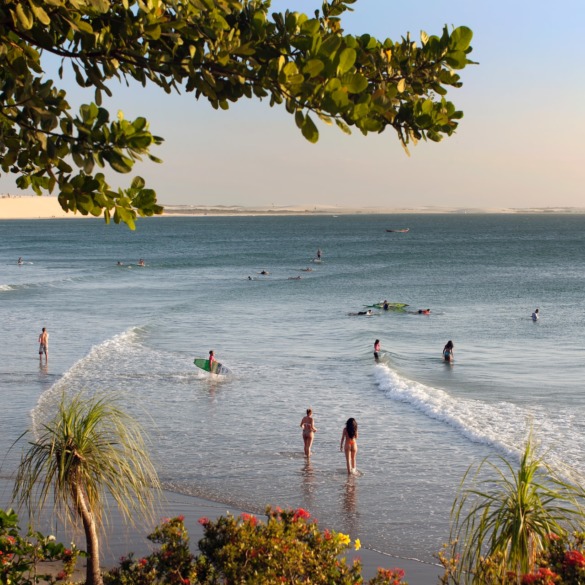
(520, 143)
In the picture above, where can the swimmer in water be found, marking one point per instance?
(377, 350)
(535, 315)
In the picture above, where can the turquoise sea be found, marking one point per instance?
(291, 344)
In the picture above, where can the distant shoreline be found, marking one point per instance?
(47, 207)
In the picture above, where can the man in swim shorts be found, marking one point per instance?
(44, 344)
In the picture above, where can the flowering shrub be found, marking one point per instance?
(562, 562)
(287, 548)
(172, 564)
(19, 555)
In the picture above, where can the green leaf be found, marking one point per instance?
(40, 14)
(299, 119)
(461, 38)
(346, 60)
(313, 67)
(355, 82)
(23, 16)
(309, 130)
(456, 59)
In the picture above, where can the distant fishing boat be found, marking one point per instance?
(402, 231)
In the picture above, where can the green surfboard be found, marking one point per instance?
(217, 368)
(391, 306)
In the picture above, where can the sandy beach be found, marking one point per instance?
(47, 207)
(122, 539)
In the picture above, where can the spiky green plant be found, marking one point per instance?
(88, 450)
(504, 521)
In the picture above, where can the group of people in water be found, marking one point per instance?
(348, 443)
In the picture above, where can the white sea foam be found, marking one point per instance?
(82, 375)
(502, 425)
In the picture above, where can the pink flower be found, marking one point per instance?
(181, 518)
(552, 536)
(327, 534)
(61, 575)
(203, 521)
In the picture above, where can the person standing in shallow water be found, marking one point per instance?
(377, 349)
(44, 344)
(309, 430)
(349, 440)
(448, 351)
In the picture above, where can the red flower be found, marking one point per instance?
(574, 558)
(181, 518)
(300, 513)
(203, 521)
(61, 575)
(185, 581)
(143, 562)
(327, 534)
(249, 518)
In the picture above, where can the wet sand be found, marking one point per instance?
(121, 539)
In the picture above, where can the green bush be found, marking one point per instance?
(287, 548)
(20, 556)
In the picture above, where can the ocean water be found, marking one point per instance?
(292, 344)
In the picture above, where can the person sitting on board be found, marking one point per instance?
(535, 315)
(377, 349)
(448, 351)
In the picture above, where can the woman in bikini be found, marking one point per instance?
(448, 351)
(349, 437)
(309, 430)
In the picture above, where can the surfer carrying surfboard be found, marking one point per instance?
(211, 360)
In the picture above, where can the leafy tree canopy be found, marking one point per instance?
(221, 50)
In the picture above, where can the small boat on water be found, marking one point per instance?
(402, 231)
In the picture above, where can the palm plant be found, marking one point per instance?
(507, 523)
(88, 450)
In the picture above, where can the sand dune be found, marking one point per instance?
(47, 207)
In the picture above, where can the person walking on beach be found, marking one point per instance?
(448, 351)
(44, 344)
(309, 430)
(377, 350)
(349, 438)
(535, 315)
